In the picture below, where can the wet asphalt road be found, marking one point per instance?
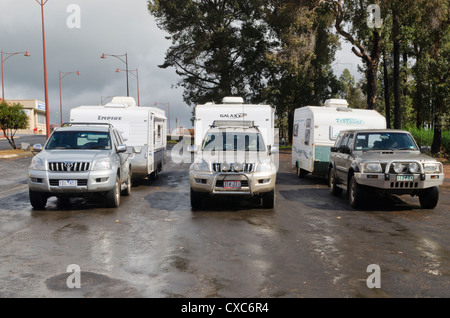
(311, 245)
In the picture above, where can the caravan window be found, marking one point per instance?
(307, 136)
(159, 131)
(295, 130)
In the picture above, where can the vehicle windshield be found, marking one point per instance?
(384, 141)
(233, 141)
(79, 140)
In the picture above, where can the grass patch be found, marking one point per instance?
(424, 137)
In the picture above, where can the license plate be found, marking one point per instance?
(232, 184)
(405, 178)
(68, 183)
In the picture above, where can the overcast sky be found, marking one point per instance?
(105, 26)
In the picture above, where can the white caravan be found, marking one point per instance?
(143, 128)
(234, 109)
(317, 127)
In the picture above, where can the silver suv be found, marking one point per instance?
(233, 161)
(385, 160)
(77, 160)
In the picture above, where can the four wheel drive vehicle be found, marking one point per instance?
(384, 160)
(233, 160)
(80, 160)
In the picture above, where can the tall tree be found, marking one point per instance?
(299, 70)
(366, 39)
(218, 46)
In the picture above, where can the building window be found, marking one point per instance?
(41, 119)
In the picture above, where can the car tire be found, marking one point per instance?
(268, 200)
(154, 175)
(127, 191)
(196, 200)
(113, 195)
(429, 198)
(332, 183)
(356, 194)
(38, 200)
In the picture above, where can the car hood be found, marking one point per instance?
(73, 155)
(387, 155)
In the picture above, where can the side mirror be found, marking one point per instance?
(345, 149)
(37, 148)
(121, 148)
(425, 149)
(273, 149)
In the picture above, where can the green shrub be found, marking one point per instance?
(424, 137)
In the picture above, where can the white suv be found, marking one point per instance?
(79, 160)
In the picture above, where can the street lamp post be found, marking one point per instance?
(168, 110)
(137, 78)
(47, 113)
(60, 94)
(126, 64)
(8, 55)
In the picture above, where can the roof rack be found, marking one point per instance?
(233, 123)
(85, 124)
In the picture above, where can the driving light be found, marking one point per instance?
(398, 167)
(226, 166)
(413, 167)
(238, 167)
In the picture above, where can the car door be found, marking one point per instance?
(121, 157)
(347, 156)
(341, 172)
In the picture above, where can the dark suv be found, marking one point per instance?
(384, 160)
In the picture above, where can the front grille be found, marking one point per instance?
(68, 166)
(404, 185)
(80, 182)
(244, 183)
(247, 167)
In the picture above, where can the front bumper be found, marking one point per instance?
(251, 183)
(88, 181)
(399, 182)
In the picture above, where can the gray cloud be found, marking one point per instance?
(107, 26)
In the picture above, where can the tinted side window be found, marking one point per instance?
(350, 140)
(344, 140)
(339, 140)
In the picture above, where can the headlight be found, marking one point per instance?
(102, 164)
(200, 165)
(432, 168)
(37, 164)
(264, 167)
(413, 167)
(371, 167)
(398, 167)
